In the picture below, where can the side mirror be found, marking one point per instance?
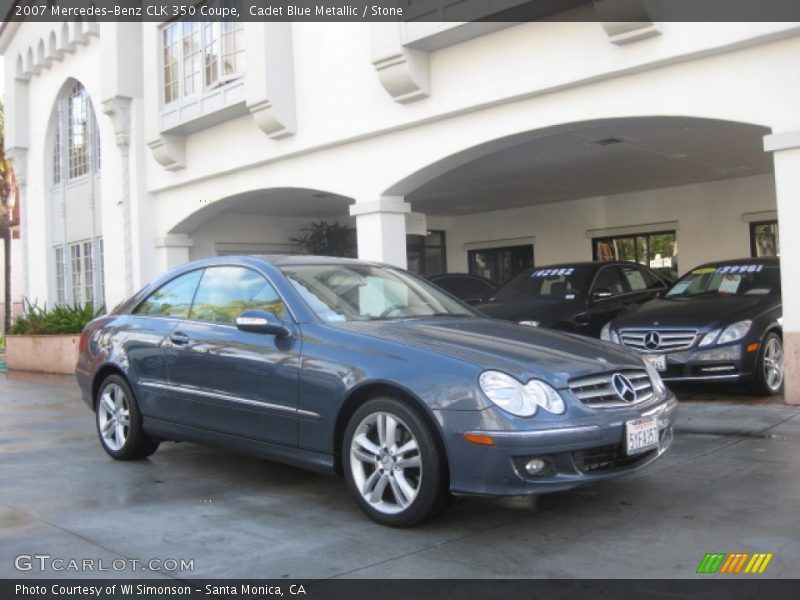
(600, 294)
(261, 321)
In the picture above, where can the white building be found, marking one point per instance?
(141, 146)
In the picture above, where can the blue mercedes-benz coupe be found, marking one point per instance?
(371, 372)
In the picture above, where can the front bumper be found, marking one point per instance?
(585, 450)
(732, 362)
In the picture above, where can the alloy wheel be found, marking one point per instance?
(386, 463)
(773, 363)
(113, 417)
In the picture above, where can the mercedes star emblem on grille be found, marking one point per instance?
(623, 387)
(652, 340)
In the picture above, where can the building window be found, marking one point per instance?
(196, 56)
(765, 239)
(78, 132)
(87, 285)
(61, 272)
(426, 254)
(657, 250)
(500, 265)
(57, 156)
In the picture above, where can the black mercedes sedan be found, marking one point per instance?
(722, 321)
(574, 297)
(370, 372)
(467, 288)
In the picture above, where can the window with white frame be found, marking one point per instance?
(82, 264)
(76, 137)
(199, 55)
(61, 273)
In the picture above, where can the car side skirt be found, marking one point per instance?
(296, 457)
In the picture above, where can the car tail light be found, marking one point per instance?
(82, 342)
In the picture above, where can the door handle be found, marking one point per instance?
(582, 320)
(179, 338)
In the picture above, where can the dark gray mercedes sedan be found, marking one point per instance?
(370, 372)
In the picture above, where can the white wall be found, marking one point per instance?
(250, 230)
(709, 216)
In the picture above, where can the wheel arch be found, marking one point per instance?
(102, 374)
(357, 397)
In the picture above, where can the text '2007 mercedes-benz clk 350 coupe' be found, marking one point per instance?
(367, 371)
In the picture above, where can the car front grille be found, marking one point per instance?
(607, 458)
(658, 340)
(598, 391)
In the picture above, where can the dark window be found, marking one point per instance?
(426, 254)
(656, 250)
(639, 279)
(500, 265)
(466, 288)
(609, 279)
(225, 292)
(172, 299)
(764, 239)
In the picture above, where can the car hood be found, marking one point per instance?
(705, 312)
(519, 350)
(546, 312)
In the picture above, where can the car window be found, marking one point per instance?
(636, 279)
(546, 283)
(752, 279)
(354, 292)
(609, 278)
(225, 292)
(173, 299)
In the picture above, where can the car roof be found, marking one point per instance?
(279, 260)
(589, 263)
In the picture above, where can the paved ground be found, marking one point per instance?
(731, 483)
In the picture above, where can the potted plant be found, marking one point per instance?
(324, 238)
(47, 340)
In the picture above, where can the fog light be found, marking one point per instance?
(535, 466)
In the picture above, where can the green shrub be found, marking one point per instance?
(56, 321)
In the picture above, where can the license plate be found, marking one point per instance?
(641, 436)
(657, 361)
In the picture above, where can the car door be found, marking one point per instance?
(600, 309)
(231, 381)
(145, 335)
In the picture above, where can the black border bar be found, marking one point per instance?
(442, 11)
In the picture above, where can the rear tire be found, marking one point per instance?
(769, 374)
(393, 464)
(119, 422)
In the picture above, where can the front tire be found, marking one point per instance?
(769, 373)
(119, 422)
(393, 465)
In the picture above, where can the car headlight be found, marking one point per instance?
(731, 333)
(655, 379)
(609, 335)
(529, 323)
(517, 399)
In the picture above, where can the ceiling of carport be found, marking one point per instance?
(647, 153)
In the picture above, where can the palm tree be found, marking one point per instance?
(9, 200)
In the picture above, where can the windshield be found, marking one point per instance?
(369, 293)
(551, 283)
(728, 280)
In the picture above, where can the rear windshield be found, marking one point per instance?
(549, 283)
(728, 280)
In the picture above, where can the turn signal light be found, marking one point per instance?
(481, 440)
(752, 347)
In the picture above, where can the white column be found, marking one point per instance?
(171, 251)
(785, 148)
(381, 230)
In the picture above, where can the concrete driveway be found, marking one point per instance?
(730, 484)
